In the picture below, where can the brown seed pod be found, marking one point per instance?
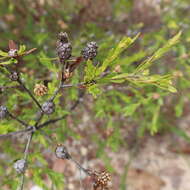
(40, 90)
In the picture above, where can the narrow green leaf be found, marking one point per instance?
(47, 62)
(181, 133)
(130, 109)
(3, 54)
(22, 49)
(159, 53)
(154, 124)
(6, 62)
(179, 107)
(120, 76)
(90, 70)
(114, 53)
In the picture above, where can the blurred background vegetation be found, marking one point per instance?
(118, 121)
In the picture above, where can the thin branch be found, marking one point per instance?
(69, 85)
(41, 114)
(50, 122)
(16, 133)
(17, 119)
(57, 90)
(31, 95)
(55, 93)
(28, 145)
(26, 152)
(8, 87)
(86, 171)
(22, 182)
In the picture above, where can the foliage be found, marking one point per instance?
(133, 78)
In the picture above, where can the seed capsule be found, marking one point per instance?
(14, 76)
(48, 107)
(64, 48)
(90, 51)
(62, 153)
(20, 166)
(3, 112)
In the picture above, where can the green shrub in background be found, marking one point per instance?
(95, 76)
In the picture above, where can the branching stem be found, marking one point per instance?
(30, 94)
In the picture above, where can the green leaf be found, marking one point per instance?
(136, 57)
(181, 133)
(130, 109)
(6, 62)
(47, 62)
(163, 82)
(114, 53)
(3, 54)
(154, 124)
(6, 127)
(90, 71)
(22, 49)
(94, 90)
(120, 76)
(179, 108)
(159, 53)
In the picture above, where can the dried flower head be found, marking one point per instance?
(101, 180)
(40, 90)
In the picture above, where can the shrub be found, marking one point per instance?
(84, 74)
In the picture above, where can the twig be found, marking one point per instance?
(86, 171)
(57, 90)
(16, 133)
(55, 93)
(26, 152)
(81, 94)
(8, 87)
(17, 119)
(50, 122)
(28, 145)
(31, 95)
(41, 114)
